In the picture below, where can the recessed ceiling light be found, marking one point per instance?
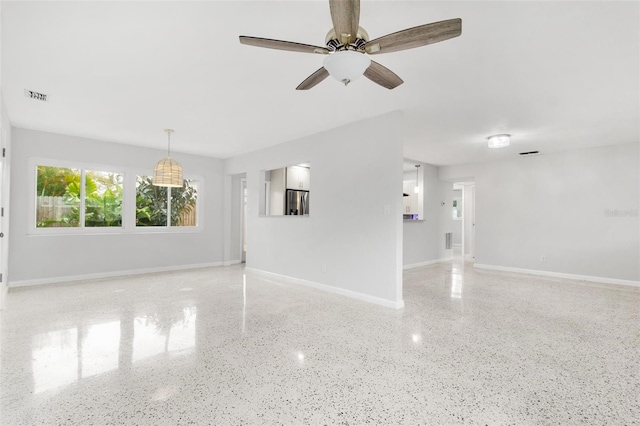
(499, 141)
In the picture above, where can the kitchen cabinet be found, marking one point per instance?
(298, 178)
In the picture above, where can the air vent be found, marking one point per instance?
(530, 153)
(35, 95)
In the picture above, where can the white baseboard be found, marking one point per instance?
(231, 262)
(328, 288)
(3, 298)
(70, 278)
(427, 263)
(589, 278)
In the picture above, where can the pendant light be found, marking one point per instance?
(416, 189)
(168, 171)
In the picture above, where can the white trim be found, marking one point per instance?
(70, 278)
(3, 298)
(337, 290)
(427, 263)
(589, 278)
(231, 262)
(243, 190)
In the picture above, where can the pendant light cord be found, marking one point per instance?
(169, 131)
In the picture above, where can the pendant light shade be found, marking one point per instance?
(416, 189)
(168, 171)
(346, 65)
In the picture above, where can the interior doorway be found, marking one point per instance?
(469, 221)
(464, 219)
(243, 220)
(458, 228)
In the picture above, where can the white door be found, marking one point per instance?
(243, 218)
(472, 243)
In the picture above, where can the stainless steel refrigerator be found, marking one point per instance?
(297, 202)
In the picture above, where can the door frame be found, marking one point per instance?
(472, 233)
(243, 219)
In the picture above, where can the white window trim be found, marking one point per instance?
(128, 201)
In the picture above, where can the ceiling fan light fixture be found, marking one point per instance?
(499, 141)
(346, 65)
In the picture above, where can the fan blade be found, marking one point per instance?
(282, 45)
(313, 79)
(415, 37)
(383, 76)
(345, 15)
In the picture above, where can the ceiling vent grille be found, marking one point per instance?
(35, 95)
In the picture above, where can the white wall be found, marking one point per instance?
(5, 142)
(277, 192)
(556, 206)
(424, 240)
(235, 250)
(35, 259)
(351, 242)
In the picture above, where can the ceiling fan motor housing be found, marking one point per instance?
(334, 44)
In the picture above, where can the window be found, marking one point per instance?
(69, 197)
(101, 199)
(152, 208)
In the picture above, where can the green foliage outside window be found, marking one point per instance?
(59, 191)
(151, 203)
(59, 200)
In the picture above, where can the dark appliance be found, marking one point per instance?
(297, 202)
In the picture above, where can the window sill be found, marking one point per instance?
(68, 232)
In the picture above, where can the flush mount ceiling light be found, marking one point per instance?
(346, 65)
(168, 171)
(499, 141)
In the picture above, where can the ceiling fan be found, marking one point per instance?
(348, 45)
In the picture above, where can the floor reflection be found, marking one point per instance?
(55, 359)
(100, 346)
(62, 357)
(457, 279)
(154, 334)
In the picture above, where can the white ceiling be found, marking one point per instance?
(556, 75)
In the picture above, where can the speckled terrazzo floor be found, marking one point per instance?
(210, 346)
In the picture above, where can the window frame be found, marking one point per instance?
(129, 176)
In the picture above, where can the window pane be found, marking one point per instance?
(103, 199)
(57, 197)
(151, 203)
(183, 204)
